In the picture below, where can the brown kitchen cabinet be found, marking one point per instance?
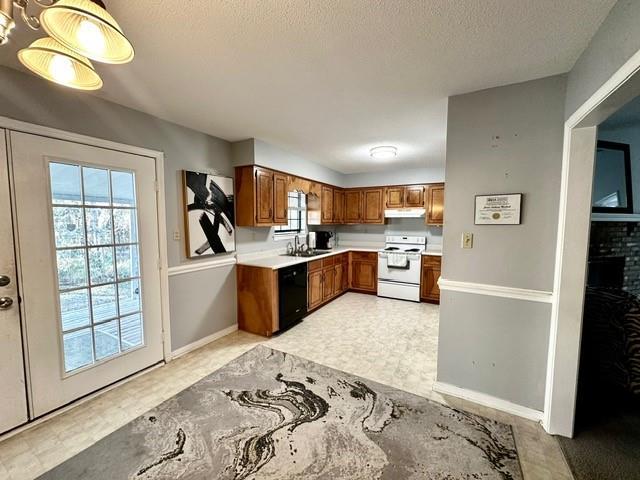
(257, 300)
(431, 269)
(363, 271)
(415, 196)
(353, 206)
(261, 197)
(338, 206)
(395, 197)
(373, 205)
(435, 209)
(326, 199)
(405, 196)
(280, 199)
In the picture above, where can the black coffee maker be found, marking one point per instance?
(324, 240)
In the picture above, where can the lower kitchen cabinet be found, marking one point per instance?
(363, 271)
(429, 289)
(257, 300)
(314, 286)
(326, 279)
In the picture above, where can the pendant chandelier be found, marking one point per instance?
(79, 31)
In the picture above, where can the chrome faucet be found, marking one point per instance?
(296, 244)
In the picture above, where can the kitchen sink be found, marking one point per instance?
(305, 254)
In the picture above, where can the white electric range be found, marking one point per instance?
(399, 266)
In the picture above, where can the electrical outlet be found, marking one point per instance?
(176, 236)
(467, 240)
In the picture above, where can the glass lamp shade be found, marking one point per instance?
(87, 28)
(55, 62)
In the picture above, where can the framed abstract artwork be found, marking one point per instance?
(209, 214)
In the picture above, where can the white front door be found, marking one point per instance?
(87, 231)
(13, 393)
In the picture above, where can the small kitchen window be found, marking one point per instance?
(296, 215)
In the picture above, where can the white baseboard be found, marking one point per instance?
(202, 342)
(488, 401)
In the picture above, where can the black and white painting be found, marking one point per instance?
(209, 214)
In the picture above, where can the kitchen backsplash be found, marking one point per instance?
(377, 233)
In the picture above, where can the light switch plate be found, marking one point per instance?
(176, 236)
(467, 240)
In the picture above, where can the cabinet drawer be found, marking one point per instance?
(365, 256)
(329, 261)
(431, 260)
(314, 265)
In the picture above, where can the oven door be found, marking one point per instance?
(409, 274)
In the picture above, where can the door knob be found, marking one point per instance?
(5, 303)
(4, 280)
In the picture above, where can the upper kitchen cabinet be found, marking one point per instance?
(353, 206)
(409, 196)
(435, 210)
(338, 206)
(395, 197)
(373, 200)
(261, 197)
(326, 200)
(321, 208)
(414, 196)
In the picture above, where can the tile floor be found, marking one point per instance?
(389, 341)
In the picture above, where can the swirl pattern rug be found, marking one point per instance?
(271, 415)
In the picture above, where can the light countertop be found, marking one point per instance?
(280, 260)
(276, 261)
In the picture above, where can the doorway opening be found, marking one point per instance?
(607, 419)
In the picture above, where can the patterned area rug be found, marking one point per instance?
(271, 415)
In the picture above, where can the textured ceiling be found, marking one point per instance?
(328, 79)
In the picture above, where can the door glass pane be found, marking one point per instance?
(65, 184)
(68, 226)
(103, 303)
(72, 268)
(125, 225)
(78, 349)
(129, 297)
(99, 226)
(123, 189)
(131, 328)
(127, 262)
(101, 267)
(96, 243)
(96, 186)
(74, 308)
(107, 339)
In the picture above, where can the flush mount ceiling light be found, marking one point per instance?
(78, 29)
(383, 152)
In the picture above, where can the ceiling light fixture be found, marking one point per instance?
(383, 152)
(78, 30)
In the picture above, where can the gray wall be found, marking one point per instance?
(489, 344)
(617, 39)
(27, 98)
(397, 176)
(527, 158)
(496, 346)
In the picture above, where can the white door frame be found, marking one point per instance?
(572, 247)
(19, 126)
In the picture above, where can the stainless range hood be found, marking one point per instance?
(405, 213)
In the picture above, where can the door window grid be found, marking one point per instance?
(105, 319)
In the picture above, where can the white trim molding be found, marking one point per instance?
(203, 341)
(200, 266)
(571, 254)
(488, 401)
(496, 291)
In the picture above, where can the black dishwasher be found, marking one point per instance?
(292, 286)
